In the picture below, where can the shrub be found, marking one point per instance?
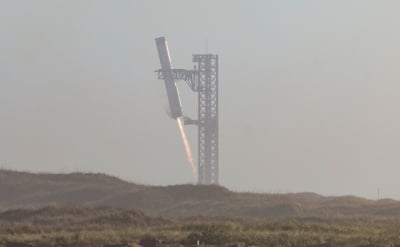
(210, 235)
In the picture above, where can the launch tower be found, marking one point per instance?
(203, 79)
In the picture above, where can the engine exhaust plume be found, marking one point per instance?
(188, 150)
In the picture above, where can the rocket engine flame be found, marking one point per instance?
(188, 150)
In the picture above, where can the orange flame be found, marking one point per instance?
(188, 150)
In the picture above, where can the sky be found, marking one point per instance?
(309, 91)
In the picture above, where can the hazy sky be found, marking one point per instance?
(309, 91)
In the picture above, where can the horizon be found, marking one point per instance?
(308, 91)
(193, 184)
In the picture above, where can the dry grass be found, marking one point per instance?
(71, 226)
(28, 190)
(106, 214)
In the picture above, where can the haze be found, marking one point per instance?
(309, 91)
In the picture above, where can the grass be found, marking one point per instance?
(171, 213)
(72, 226)
(24, 189)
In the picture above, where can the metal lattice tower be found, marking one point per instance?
(207, 118)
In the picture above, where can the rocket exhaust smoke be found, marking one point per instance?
(188, 150)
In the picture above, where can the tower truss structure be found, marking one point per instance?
(207, 66)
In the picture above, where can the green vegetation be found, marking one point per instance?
(114, 211)
(72, 226)
(28, 190)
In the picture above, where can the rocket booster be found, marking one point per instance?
(172, 91)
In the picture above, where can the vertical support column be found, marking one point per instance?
(207, 118)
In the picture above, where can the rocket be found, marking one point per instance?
(166, 70)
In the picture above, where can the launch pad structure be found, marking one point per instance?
(203, 80)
